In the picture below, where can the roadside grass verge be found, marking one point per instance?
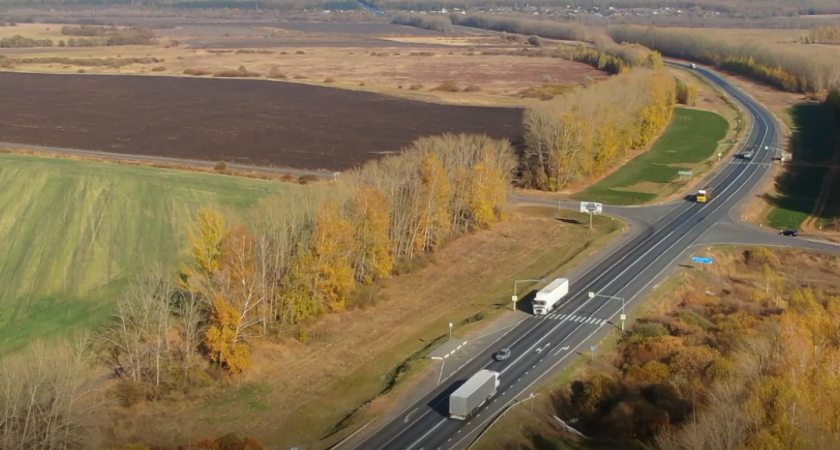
(367, 362)
(689, 141)
(74, 232)
(798, 187)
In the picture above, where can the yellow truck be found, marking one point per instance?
(704, 195)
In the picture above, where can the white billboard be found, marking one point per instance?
(591, 207)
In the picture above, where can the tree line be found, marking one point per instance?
(754, 369)
(823, 35)
(542, 28)
(784, 70)
(304, 255)
(571, 141)
(18, 41)
(426, 22)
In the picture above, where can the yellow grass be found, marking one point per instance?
(499, 77)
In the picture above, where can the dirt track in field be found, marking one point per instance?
(243, 121)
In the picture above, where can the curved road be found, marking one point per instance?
(541, 345)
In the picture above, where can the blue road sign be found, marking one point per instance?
(697, 259)
(593, 348)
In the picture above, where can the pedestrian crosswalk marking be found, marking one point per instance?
(591, 320)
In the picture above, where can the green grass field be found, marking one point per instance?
(687, 144)
(799, 186)
(74, 232)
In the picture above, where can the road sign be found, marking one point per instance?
(697, 259)
(591, 207)
(593, 348)
(514, 298)
(686, 173)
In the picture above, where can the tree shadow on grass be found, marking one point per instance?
(812, 147)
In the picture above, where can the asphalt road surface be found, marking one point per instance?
(542, 345)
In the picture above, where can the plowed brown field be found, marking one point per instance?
(244, 121)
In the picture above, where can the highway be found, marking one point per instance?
(542, 345)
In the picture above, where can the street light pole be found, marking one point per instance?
(623, 312)
(514, 298)
(450, 331)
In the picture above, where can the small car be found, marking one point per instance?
(747, 154)
(793, 233)
(503, 354)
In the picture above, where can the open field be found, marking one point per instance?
(261, 122)
(729, 282)
(287, 399)
(396, 60)
(73, 232)
(689, 141)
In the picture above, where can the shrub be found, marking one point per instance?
(196, 72)
(535, 41)
(686, 93)
(447, 86)
(300, 52)
(650, 330)
(236, 74)
(329, 80)
(306, 179)
(129, 393)
(415, 87)
(299, 77)
(158, 69)
(472, 88)
(220, 166)
(275, 73)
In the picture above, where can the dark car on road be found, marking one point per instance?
(789, 233)
(503, 354)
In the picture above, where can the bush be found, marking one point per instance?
(299, 77)
(415, 87)
(300, 52)
(236, 74)
(686, 93)
(220, 166)
(275, 73)
(535, 41)
(196, 72)
(329, 80)
(472, 88)
(158, 69)
(129, 393)
(306, 179)
(447, 86)
(650, 330)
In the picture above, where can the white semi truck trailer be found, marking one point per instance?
(548, 297)
(471, 395)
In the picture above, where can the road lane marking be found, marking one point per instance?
(426, 434)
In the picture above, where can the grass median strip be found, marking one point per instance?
(687, 144)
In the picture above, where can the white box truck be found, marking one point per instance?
(471, 395)
(548, 296)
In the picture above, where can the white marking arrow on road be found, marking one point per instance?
(539, 350)
(561, 349)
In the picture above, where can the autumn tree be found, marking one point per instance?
(374, 255)
(223, 338)
(432, 222)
